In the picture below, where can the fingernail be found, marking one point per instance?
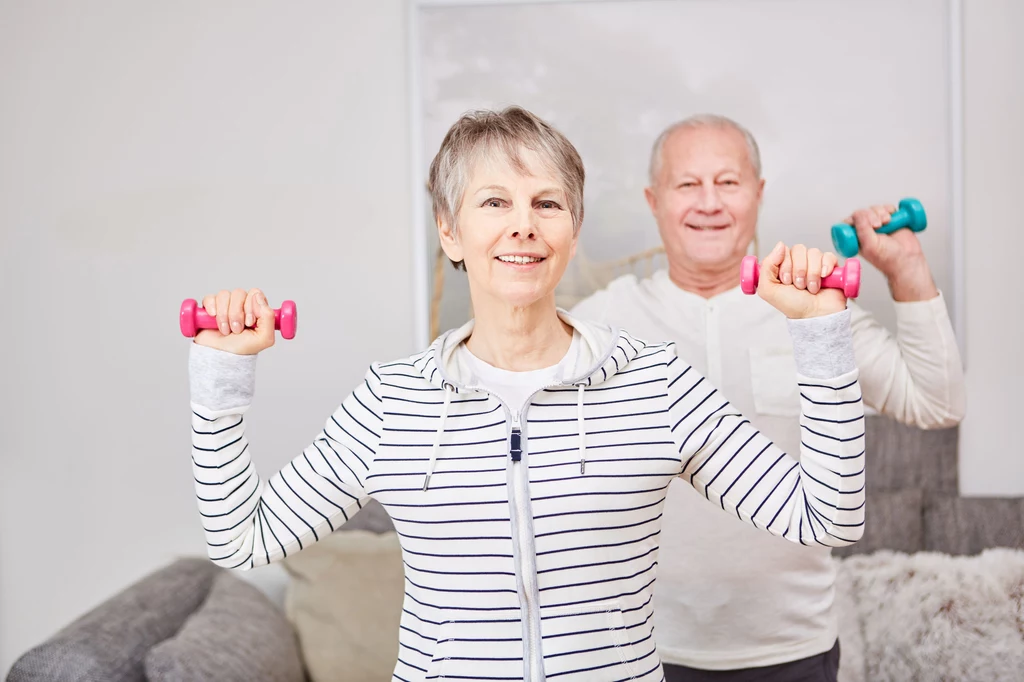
(799, 281)
(248, 320)
(236, 327)
(224, 329)
(824, 271)
(786, 278)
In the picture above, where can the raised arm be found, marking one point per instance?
(916, 376)
(818, 500)
(248, 521)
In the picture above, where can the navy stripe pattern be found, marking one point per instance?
(649, 418)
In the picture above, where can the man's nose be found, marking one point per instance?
(710, 199)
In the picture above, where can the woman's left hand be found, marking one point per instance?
(790, 280)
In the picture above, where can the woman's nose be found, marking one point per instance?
(523, 227)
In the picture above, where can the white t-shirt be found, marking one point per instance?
(728, 595)
(515, 388)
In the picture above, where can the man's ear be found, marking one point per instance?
(449, 240)
(652, 200)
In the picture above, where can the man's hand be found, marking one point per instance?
(897, 255)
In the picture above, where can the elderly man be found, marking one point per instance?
(732, 603)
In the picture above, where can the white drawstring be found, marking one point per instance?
(437, 438)
(583, 431)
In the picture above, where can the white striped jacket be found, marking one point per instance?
(529, 535)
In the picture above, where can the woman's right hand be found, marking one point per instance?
(791, 282)
(245, 319)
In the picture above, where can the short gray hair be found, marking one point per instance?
(507, 132)
(703, 121)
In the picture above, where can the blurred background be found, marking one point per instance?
(151, 152)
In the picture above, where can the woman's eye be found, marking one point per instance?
(493, 203)
(548, 205)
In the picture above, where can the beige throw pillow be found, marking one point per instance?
(345, 602)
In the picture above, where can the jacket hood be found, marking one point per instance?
(602, 351)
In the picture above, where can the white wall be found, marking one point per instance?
(991, 450)
(151, 152)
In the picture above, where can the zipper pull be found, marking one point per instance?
(516, 444)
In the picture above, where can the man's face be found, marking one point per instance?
(705, 198)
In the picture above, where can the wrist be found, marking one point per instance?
(912, 281)
(818, 311)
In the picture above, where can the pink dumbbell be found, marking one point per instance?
(194, 318)
(846, 278)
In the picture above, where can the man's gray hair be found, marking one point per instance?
(506, 133)
(703, 121)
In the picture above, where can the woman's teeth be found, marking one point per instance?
(519, 259)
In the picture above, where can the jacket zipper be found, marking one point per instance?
(528, 569)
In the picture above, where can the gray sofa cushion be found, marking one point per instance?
(108, 644)
(894, 520)
(901, 456)
(237, 635)
(958, 525)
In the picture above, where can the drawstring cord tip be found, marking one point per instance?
(583, 429)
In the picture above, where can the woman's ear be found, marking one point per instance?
(449, 240)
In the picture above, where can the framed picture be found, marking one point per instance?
(853, 103)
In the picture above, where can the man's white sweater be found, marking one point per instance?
(729, 597)
(530, 533)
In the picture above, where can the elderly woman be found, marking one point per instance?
(525, 457)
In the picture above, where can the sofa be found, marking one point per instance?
(934, 591)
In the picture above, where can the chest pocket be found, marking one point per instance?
(773, 381)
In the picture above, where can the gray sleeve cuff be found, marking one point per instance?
(823, 346)
(219, 380)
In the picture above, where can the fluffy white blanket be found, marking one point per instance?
(932, 617)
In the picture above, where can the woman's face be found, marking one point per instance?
(515, 232)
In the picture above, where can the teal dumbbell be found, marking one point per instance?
(910, 214)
